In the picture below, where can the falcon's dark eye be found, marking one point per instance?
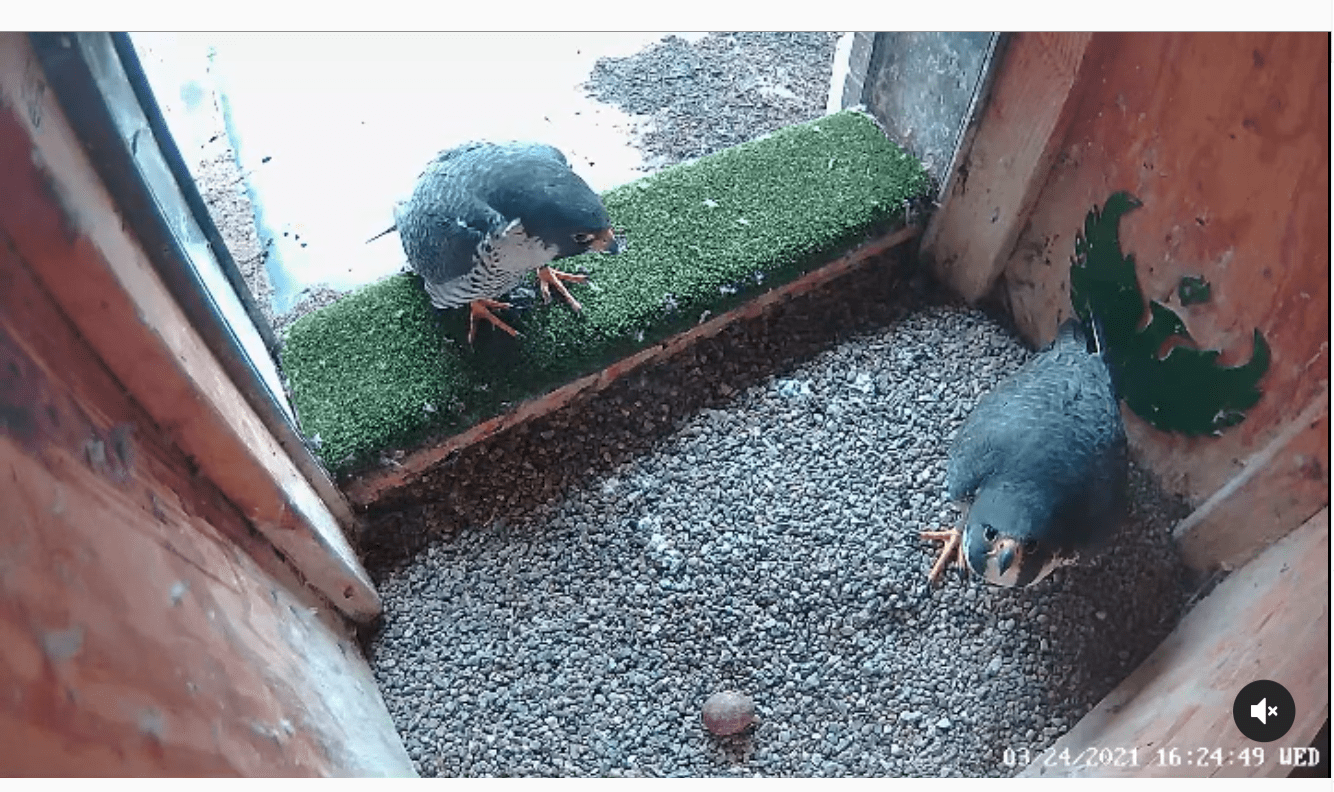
(583, 238)
(988, 533)
(1030, 545)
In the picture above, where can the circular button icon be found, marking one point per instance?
(1264, 711)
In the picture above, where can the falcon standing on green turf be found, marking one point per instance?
(1043, 460)
(482, 215)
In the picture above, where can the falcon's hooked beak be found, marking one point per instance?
(1005, 551)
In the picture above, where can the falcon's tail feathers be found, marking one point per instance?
(1071, 331)
(390, 229)
(1074, 331)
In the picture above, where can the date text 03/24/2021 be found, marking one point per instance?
(1094, 757)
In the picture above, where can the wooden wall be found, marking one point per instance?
(1180, 698)
(1225, 139)
(145, 628)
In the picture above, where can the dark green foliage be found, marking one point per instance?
(381, 369)
(1184, 391)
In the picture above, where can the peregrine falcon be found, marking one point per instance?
(483, 214)
(1043, 458)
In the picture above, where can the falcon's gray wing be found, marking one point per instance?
(442, 225)
(1053, 428)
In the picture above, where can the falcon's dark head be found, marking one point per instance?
(1003, 539)
(559, 208)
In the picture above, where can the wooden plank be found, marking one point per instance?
(64, 225)
(1225, 139)
(368, 488)
(145, 630)
(1268, 620)
(1272, 493)
(132, 645)
(997, 181)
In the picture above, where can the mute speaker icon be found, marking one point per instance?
(1268, 720)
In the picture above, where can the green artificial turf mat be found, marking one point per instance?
(381, 369)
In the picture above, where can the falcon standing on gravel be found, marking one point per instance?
(483, 214)
(1043, 458)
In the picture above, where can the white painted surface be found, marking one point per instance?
(347, 121)
(842, 72)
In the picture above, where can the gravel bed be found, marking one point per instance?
(724, 89)
(560, 600)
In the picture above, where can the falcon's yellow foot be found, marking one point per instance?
(478, 309)
(951, 552)
(548, 278)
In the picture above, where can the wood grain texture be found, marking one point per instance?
(65, 226)
(376, 485)
(997, 181)
(145, 629)
(1269, 620)
(1225, 139)
(1280, 480)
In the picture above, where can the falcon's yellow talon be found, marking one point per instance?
(478, 309)
(548, 277)
(952, 551)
